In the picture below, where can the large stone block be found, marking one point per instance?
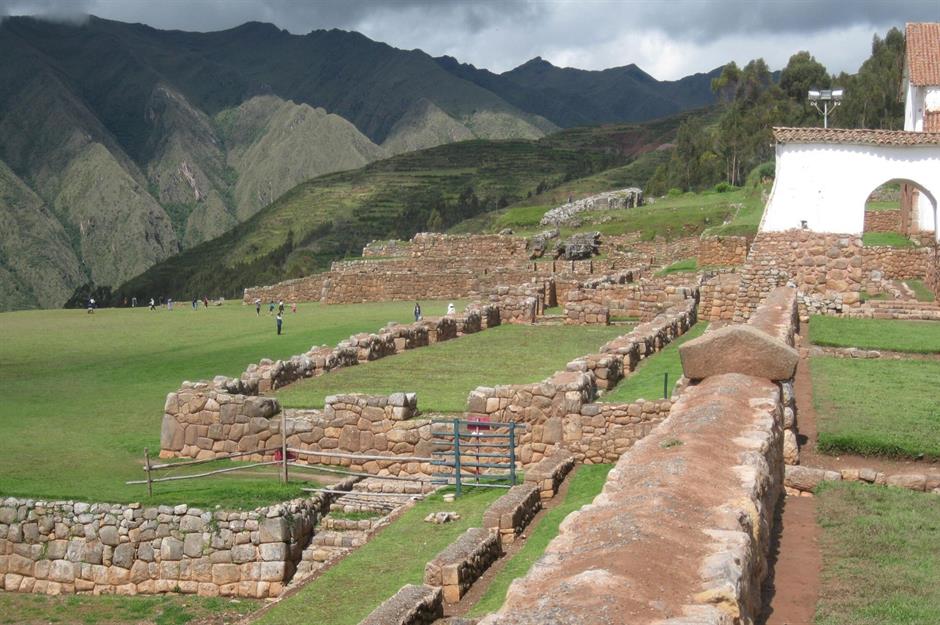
(738, 349)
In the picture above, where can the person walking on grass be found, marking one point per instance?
(280, 321)
(271, 307)
(152, 306)
(451, 310)
(280, 307)
(417, 311)
(205, 301)
(258, 306)
(293, 307)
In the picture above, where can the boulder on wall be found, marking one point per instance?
(539, 243)
(738, 349)
(580, 246)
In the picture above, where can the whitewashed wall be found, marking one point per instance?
(827, 184)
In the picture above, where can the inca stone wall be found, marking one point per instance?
(719, 295)
(883, 221)
(559, 411)
(643, 299)
(722, 251)
(826, 269)
(62, 547)
(893, 263)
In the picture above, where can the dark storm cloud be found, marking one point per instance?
(667, 38)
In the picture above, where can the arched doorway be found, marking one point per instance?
(903, 207)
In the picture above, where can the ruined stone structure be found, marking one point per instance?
(883, 221)
(610, 200)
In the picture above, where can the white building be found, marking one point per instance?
(824, 176)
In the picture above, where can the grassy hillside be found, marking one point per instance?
(335, 215)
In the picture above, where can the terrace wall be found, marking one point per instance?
(893, 263)
(63, 547)
(643, 299)
(722, 251)
(883, 221)
(729, 427)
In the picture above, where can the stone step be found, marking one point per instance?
(324, 553)
(378, 485)
(332, 538)
(345, 525)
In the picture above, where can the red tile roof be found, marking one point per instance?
(923, 53)
(855, 136)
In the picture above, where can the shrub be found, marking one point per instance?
(723, 187)
(674, 192)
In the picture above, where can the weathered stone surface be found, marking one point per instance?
(808, 478)
(412, 605)
(738, 349)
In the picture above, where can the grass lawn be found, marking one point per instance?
(891, 239)
(585, 485)
(881, 556)
(882, 205)
(444, 374)
(917, 337)
(680, 266)
(83, 394)
(27, 609)
(647, 380)
(349, 591)
(921, 292)
(884, 407)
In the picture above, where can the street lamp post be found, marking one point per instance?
(830, 98)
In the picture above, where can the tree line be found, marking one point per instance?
(752, 100)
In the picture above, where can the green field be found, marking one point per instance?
(889, 239)
(881, 556)
(583, 487)
(877, 407)
(646, 381)
(916, 337)
(443, 374)
(348, 592)
(84, 394)
(27, 609)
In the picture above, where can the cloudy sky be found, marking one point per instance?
(667, 38)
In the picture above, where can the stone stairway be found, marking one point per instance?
(372, 504)
(550, 320)
(897, 309)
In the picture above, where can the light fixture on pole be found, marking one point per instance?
(830, 98)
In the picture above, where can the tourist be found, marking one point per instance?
(205, 301)
(258, 306)
(195, 302)
(280, 307)
(293, 307)
(133, 302)
(271, 307)
(152, 307)
(417, 311)
(91, 304)
(169, 303)
(451, 310)
(280, 321)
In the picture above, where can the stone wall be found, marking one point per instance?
(354, 288)
(883, 221)
(510, 514)
(727, 427)
(719, 295)
(306, 289)
(893, 263)
(61, 547)
(558, 412)
(722, 251)
(462, 562)
(392, 248)
(642, 299)
(826, 269)
(412, 605)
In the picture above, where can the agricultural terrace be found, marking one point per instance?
(880, 556)
(83, 394)
(443, 374)
(858, 400)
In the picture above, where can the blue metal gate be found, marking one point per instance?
(473, 453)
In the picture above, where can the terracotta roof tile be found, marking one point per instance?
(857, 136)
(923, 53)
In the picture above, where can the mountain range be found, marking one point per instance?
(122, 145)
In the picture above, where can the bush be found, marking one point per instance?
(674, 192)
(723, 187)
(762, 172)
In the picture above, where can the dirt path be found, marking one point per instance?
(480, 586)
(791, 590)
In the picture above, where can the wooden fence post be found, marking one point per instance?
(147, 464)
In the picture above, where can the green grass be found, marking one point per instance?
(680, 266)
(27, 609)
(443, 374)
(921, 292)
(349, 591)
(646, 382)
(747, 216)
(586, 484)
(881, 556)
(889, 239)
(882, 205)
(877, 407)
(84, 394)
(917, 337)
